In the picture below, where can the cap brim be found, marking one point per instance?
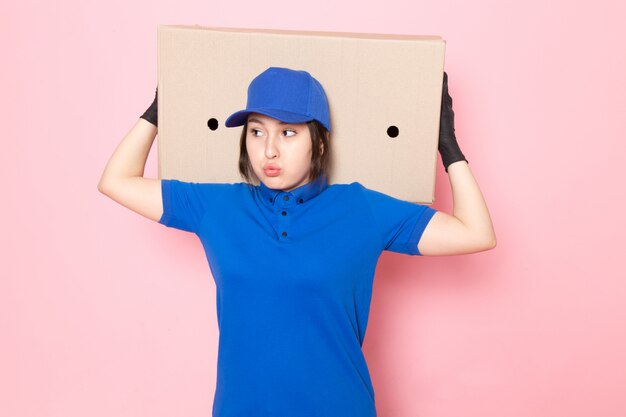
(239, 118)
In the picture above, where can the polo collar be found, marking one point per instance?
(297, 196)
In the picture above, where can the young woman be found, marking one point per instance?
(293, 258)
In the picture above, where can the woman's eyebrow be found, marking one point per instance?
(260, 122)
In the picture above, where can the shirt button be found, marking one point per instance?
(270, 199)
(301, 200)
(284, 233)
(286, 197)
(284, 213)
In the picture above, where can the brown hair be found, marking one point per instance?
(319, 160)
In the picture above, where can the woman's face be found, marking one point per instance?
(285, 146)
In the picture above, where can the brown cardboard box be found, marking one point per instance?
(375, 83)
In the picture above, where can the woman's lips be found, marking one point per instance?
(272, 172)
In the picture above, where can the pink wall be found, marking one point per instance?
(106, 313)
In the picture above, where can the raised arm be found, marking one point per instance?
(469, 229)
(122, 179)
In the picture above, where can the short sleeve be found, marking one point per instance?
(400, 224)
(185, 203)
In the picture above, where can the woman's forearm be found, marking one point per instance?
(130, 156)
(468, 202)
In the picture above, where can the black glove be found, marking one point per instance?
(448, 147)
(151, 114)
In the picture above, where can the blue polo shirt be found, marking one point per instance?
(293, 274)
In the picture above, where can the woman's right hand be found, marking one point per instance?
(448, 145)
(152, 113)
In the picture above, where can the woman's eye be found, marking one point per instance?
(253, 131)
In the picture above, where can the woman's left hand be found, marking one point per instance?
(448, 146)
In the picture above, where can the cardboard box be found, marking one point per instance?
(375, 84)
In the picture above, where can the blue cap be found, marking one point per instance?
(291, 96)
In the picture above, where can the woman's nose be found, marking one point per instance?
(271, 149)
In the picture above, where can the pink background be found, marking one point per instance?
(106, 313)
